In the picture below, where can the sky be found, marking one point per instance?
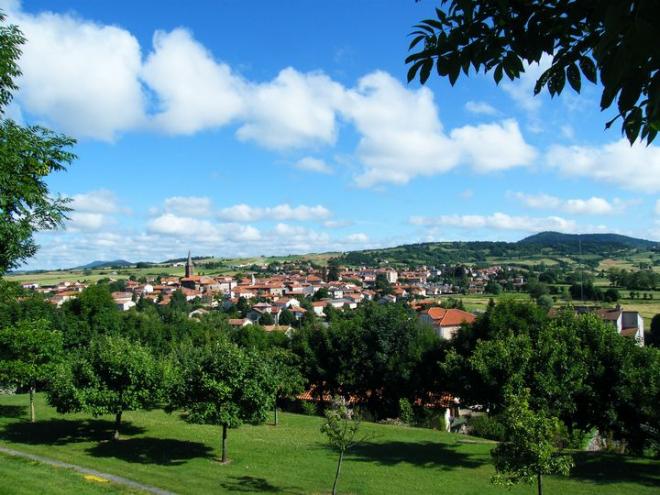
(240, 128)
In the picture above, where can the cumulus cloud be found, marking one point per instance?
(247, 213)
(193, 206)
(480, 108)
(634, 167)
(92, 80)
(357, 238)
(85, 221)
(493, 147)
(589, 206)
(498, 221)
(100, 201)
(311, 164)
(194, 91)
(82, 77)
(292, 111)
(192, 228)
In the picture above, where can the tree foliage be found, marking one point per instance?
(29, 352)
(27, 156)
(223, 385)
(113, 376)
(341, 427)
(529, 451)
(614, 41)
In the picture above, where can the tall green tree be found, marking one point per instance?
(223, 385)
(29, 352)
(613, 41)
(27, 156)
(529, 452)
(113, 376)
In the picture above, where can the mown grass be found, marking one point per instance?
(24, 477)
(161, 450)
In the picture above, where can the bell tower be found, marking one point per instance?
(189, 266)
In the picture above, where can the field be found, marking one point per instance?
(161, 450)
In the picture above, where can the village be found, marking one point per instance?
(283, 301)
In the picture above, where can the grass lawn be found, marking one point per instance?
(23, 477)
(161, 450)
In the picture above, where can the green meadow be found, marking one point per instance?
(160, 449)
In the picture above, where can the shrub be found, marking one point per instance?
(406, 411)
(485, 426)
(308, 408)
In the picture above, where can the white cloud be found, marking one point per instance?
(194, 228)
(247, 213)
(192, 206)
(337, 224)
(84, 221)
(80, 76)
(311, 164)
(357, 238)
(401, 135)
(480, 108)
(589, 206)
(194, 91)
(498, 221)
(100, 201)
(657, 206)
(292, 111)
(634, 167)
(493, 147)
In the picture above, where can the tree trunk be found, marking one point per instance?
(275, 411)
(539, 483)
(32, 415)
(117, 425)
(334, 485)
(224, 444)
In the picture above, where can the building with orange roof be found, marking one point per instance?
(446, 322)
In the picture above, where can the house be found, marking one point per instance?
(446, 322)
(627, 323)
(239, 322)
(123, 300)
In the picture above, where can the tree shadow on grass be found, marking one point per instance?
(427, 454)
(13, 411)
(251, 484)
(605, 468)
(149, 450)
(64, 431)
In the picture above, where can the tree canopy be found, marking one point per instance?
(611, 41)
(27, 156)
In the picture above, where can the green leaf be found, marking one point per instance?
(426, 70)
(412, 72)
(416, 40)
(588, 69)
(497, 75)
(632, 124)
(573, 75)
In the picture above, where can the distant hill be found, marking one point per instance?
(554, 245)
(588, 241)
(104, 264)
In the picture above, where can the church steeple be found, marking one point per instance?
(189, 266)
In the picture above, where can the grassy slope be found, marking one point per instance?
(23, 477)
(161, 450)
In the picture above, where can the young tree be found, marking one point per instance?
(29, 352)
(113, 376)
(341, 428)
(529, 452)
(610, 40)
(27, 156)
(286, 376)
(223, 385)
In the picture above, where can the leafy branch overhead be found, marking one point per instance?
(614, 41)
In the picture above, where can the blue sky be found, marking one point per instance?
(240, 128)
